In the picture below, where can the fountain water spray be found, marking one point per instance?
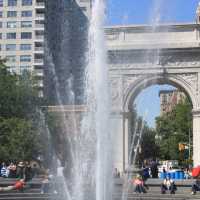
(98, 100)
(89, 143)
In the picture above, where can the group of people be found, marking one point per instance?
(141, 187)
(22, 170)
(168, 184)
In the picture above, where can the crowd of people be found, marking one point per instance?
(24, 172)
(21, 170)
(150, 170)
(168, 184)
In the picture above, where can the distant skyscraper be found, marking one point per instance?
(85, 6)
(169, 99)
(66, 39)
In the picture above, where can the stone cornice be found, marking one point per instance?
(123, 47)
(147, 28)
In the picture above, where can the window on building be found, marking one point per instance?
(25, 58)
(12, 2)
(0, 35)
(26, 24)
(27, 13)
(12, 14)
(1, 14)
(11, 35)
(39, 34)
(25, 68)
(0, 47)
(25, 47)
(11, 58)
(1, 3)
(26, 2)
(10, 47)
(39, 23)
(12, 24)
(26, 35)
(164, 101)
(1, 24)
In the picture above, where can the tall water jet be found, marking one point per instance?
(98, 100)
(89, 169)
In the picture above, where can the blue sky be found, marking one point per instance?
(144, 12)
(141, 11)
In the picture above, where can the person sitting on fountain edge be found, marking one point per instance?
(18, 185)
(139, 184)
(196, 185)
(168, 184)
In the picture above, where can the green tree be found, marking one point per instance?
(19, 116)
(144, 136)
(149, 148)
(18, 140)
(173, 128)
(18, 96)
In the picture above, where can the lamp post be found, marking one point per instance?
(189, 144)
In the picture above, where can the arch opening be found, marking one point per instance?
(138, 86)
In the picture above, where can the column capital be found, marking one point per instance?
(196, 113)
(126, 114)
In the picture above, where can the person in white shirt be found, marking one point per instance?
(168, 184)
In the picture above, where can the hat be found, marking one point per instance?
(21, 164)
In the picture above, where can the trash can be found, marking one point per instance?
(162, 175)
(181, 174)
(177, 175)
(172, 175)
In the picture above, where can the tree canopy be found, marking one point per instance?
(19, 105)
(173, 128)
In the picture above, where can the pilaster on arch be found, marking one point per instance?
(196, 136)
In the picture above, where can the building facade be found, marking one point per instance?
(66, 37)
(169, 99)
(22, 36)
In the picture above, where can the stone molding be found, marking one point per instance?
(196, 113)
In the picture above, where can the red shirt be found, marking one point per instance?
(19, 185)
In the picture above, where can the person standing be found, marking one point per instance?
(12, 170)
(154, 169)
(21, 170)
(3, 170)
(28, 172)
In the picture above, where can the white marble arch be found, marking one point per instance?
(132, 89)
(138, 57)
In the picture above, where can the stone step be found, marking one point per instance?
(150, 196)
(30, 190)
(23, 194)
(28, 196)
